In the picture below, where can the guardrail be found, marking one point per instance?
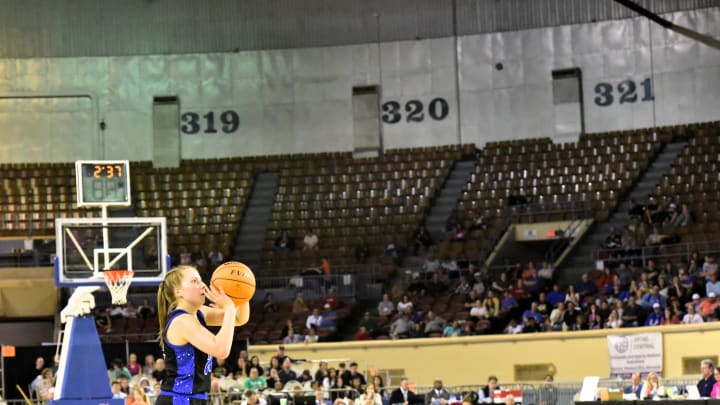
(645, 253)
(550, 393)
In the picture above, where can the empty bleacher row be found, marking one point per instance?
(345, 200)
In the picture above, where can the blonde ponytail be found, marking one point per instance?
(166, 300)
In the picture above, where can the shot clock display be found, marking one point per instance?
(103, 183)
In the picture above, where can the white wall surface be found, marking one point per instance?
(300, 100)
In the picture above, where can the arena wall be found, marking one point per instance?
(469, 360)
(300, 100)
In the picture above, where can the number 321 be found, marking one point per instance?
(626, 90)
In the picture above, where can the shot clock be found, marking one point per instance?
(102, 183)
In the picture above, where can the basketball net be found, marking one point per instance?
(118, 282)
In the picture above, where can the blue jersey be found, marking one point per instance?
(187, 369)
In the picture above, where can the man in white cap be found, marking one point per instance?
(654, 318)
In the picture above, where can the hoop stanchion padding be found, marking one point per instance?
(83, 377)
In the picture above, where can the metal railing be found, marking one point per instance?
(529, 212)
(552, 393)
(645, 253)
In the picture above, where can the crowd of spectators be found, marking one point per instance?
(526, 299)
(652, 227)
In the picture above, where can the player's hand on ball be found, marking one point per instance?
(218, 298)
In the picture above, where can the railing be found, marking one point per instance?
(348, 280)
(529, 212)
(645, 253)
(553, 393)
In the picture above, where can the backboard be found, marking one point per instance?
(85, 247)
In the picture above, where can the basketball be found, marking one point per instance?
(236, 279)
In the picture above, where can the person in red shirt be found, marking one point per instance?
(362, 334)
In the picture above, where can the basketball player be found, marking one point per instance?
(188, 346)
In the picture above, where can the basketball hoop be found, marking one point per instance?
(118, 282)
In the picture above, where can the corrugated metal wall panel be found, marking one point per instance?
(52, 28)
(510, 15)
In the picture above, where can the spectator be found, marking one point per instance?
(614, 320)
(572, 295)
(434, 323)
(310, 241)
(546, 271)
(119, 370)
(133, 366)
(632, 314)
(138, 397)
(292, 337)
(312, 336)
(314, 319)
(362, 251)
(403, 394)
(402, 327)
(682, 218)
(269, 305)
(555, 296)
(654, 297)
(670, 317)
(332, 299)
(386, 307)
(369, 323)
(116, 392)
(362, 334)
(613, 240)
(255, 362)
(352, 374)
(634, 388)
(421, 240)
(463, 287)
(585, 288)
(653, 387)
(299, 304)
(146, 310)
(708, 305)
(655, 317)
(370, 397)
(252, 398)
(322, 372)
(286, 372)
(712, 285)
(390, 250)
(438, 395)
(215, 257)
(329, 318)
(485, 394)
(478, 311)
(452, 330)
(405, 306)
(531, 326)
(508, 302)
(513, 327)
(707, 380)
(220, 370)
(284, 243)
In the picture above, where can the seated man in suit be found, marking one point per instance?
(438, 395)
(634, 387)
(403, 395)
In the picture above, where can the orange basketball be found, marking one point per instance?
(236, 279)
